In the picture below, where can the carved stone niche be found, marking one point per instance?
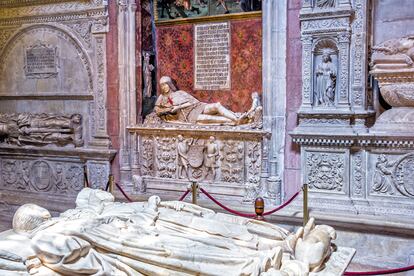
(393, 67)
(225, 161)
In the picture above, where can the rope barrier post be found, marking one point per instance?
(111, 184)
(85, 176)
(305, 204)
(259, 208)
(194, 191)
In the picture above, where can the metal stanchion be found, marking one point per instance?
(194, 191)
(259, 208)
(85, 175)
(111, 184)
(305, 204)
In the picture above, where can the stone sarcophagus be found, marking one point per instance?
(225, 161)
(186, 140)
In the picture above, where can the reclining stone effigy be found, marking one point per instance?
(103, 237)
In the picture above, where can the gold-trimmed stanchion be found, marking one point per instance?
(305, 204)
(194, 191)
(259, 208)
(111, 184)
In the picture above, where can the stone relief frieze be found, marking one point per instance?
(323, 121)
(41, 129)
(232, 164)
(166, 156)
(325, 171)
(101, 80)
(41, 176)
(358, 53)
(325, 25)
(382, 181)
(56, 8)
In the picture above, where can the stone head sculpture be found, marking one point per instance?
(167, 82)
(28, 217)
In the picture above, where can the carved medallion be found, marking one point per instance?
(40, 176)
(404, 175)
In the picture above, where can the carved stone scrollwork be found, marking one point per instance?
(253, 184)
(232, 164)
(358, 174)
(147, 155)
(166, 157)
(325, 171)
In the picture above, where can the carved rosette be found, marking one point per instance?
(166, 157)
(232, 164)
(325, 171)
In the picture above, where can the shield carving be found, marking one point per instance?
(196, 156)
(40, 175)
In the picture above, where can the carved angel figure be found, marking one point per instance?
(382, 182)
(101, 237)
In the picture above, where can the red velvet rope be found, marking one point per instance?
(226, 208)
(248, 215)
(122, 191)
(382, 272)
(283, 205)
(184, 195)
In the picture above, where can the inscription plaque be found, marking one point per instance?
(40, 62)
(212, 56)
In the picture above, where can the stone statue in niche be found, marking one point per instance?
(325, 81)
(325, 3)
(183, 147)
(41, 129)
(147, 69)
(178, 106)
(103, 237)
(211, 157)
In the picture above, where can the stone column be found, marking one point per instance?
(274, 93)
(127, 82)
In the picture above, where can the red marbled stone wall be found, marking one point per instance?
(292, 177)
(175, 53)
(112, 84)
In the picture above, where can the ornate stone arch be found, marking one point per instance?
(64, 33)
